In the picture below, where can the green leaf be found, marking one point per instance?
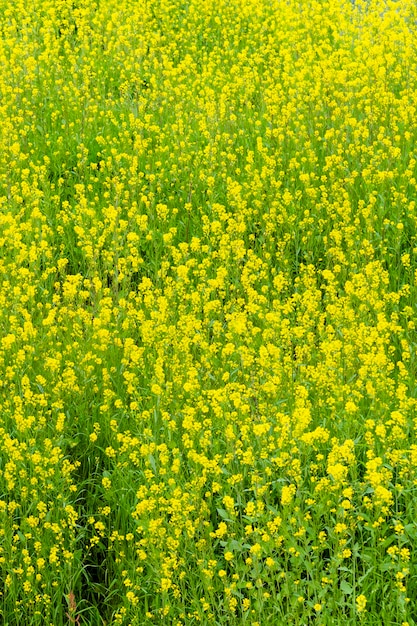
(362, 578)
(152, 462)
(224, 515)
(346, 588)
(411, 530)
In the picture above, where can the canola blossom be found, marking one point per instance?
(208, 348)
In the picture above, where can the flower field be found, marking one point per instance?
(208, 346)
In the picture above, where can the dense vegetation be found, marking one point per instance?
(207, 303)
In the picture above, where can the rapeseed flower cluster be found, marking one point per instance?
(208, 269)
